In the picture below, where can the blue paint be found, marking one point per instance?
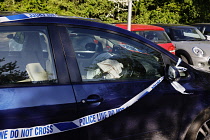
(12, 98)
(17, 17)
(66, 126)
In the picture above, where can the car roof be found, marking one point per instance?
(21, 17)
(200, 24)
(140, 27)
(174, 26)
(36, 18)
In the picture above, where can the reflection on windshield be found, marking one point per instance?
(187, 34)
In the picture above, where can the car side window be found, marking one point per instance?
(108, 56)
(25, 55)
(207, 30)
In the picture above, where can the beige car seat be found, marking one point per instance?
(36, 72)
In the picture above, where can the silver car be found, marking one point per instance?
(191, 45)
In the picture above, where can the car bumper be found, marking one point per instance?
(202, 63)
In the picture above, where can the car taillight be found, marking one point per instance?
(171, 49)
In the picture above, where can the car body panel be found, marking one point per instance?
(102, 129)
(19, 98)
(132, 122)
(140, 27)
(168, 46)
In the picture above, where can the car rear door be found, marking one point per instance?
(105, 99)
(35, 90)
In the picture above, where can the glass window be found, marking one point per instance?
(108, 56)
(187, 34)
(25, 55)
(155, 36)
(207, 30)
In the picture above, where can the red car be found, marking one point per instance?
(153, 33)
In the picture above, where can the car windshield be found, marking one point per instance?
(158, 37)
(187, 34)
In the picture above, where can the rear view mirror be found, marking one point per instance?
(10, 36)
(172, 73)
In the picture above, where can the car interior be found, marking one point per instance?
(31, 61)
(103, 59)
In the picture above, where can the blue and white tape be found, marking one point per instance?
(37, 131)
(35, 15)
(25, 16)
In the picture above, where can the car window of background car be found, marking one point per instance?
(154, 36)
(187, 34)
(113, 57)
(207, 30)
(204, 29)
(167, 30)
(25, 55)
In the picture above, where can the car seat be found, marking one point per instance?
(150, 37)
(32, 52)
(36, 72)
(85, 62)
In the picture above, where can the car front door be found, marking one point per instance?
(108, 81)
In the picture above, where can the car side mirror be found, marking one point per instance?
(172, 73)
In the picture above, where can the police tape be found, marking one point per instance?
(25, 16)
(48, 129)
(34, 15)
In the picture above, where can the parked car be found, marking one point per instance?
(59, 80)
(191, 45)
(153, 33)
(204, 28)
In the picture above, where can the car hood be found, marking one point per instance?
(188, 45)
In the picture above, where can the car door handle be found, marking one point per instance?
(92, 99)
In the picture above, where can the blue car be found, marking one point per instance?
(76, 78)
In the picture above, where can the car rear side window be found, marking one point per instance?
(25, 55)
(108, 56)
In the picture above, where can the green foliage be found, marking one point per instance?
(146, 13)
(95, 9)
(143, 11)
